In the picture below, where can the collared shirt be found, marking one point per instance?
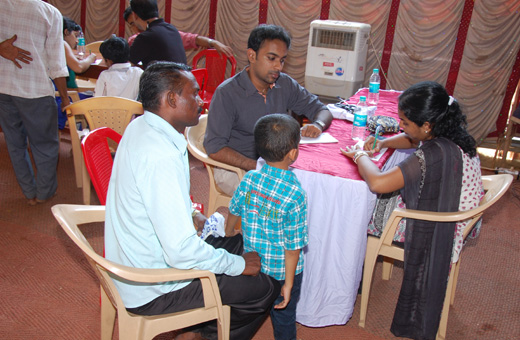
(273, 207)
(160, 41)
(236, 105)
(120, 80)
(39, 27)
(148, 211)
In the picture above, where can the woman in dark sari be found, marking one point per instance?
(444, 165)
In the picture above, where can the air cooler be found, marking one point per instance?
(336, 57)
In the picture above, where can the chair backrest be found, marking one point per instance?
(112, 112)
(216, 65)
(201, 74)
(98, 158)
(94, 48)
(69, 216)
(195, 136)
(495, 187)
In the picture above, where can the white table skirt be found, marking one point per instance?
(339, 210)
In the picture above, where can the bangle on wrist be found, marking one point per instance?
(359, 154)
(210, 42)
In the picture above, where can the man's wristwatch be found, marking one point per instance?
(320, 124)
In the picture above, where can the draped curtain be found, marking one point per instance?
(423, 43)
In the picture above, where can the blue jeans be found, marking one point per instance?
(284, 320)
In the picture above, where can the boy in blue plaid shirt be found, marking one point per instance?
(273, 208)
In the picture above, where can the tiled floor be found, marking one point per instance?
(50, 292)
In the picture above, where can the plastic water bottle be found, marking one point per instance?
(81, 45)
(360, 119)
(373, 91)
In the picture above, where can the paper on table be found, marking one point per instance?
(376, 156)
(97, 62)
(325, 137)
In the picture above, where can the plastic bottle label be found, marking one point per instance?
(373, 88)
(81, 41)
(360, 120)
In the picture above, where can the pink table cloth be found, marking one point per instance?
(327, 159)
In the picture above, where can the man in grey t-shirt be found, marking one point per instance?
(260, 89)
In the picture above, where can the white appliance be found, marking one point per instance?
(336, 57)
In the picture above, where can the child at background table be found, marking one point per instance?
(121, 79)
(273, 208)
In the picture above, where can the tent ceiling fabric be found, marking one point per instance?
(422, 49)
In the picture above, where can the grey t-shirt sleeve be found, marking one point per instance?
(304, 103)
(220, 122)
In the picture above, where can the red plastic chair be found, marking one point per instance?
(216, 65)
(201, 74)
(99, 161)
(98, 158)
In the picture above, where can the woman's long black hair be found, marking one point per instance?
(428, 101)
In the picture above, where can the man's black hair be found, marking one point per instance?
(267, 32)
(159, 77)
(127, 12)
(145, 9)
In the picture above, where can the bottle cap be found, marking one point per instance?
(376, 70)
(362, 99)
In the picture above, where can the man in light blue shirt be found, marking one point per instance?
(149, 220)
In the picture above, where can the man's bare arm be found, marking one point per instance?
(234, 158)
(61, 85)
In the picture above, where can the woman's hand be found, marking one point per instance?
(369, 144)
(91, 58)
(350, 151)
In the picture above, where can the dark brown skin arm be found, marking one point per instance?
(234, 158)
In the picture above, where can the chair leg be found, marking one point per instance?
(455, 273)
(78, 159)
(224, 324)
(85, 180)
(212, 203)
(388, 265)
(108, 316)
(443, 325)
(368, 272)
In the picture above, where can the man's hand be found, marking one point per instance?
(310, 130)
(222, 49)
(199, 220)
(252, 264)
(13, 53)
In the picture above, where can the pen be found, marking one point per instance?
(375, 139)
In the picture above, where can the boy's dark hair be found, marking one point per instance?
(127, 13)
(267, 32)
(115, 49)
(275, 135)
(70, 25)
(145, 9)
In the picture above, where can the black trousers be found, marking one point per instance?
(250, 297)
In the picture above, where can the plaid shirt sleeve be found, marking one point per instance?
(295, 230)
